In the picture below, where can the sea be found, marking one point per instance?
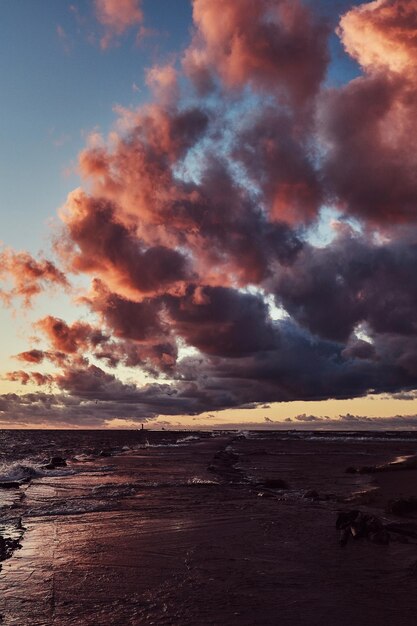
(142, 526)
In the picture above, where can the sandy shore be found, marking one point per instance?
(190, 536)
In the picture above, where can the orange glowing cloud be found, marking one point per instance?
(382, 35)
(273, 45)
(70, 339)
(25, 277)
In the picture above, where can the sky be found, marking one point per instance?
(207, 214)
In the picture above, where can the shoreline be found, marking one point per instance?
(167, 531)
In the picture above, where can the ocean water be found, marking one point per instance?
(24, 453)
(93, 458)
(149, 527)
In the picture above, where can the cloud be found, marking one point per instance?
(163, 81)
(370, 160)
(367, 125)
(195, 217)
(31, 356)
(117, 16)
(129, 266)
(70, 339)
(277, 46)
(307, 418)
(26, 277)
(277, 159)
(360, 283)
(382, 35)
(24, 377)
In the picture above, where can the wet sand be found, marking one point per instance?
(189, 536)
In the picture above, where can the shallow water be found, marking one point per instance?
(172, 530)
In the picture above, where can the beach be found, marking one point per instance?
(194, 529)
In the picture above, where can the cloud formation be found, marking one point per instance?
(24, 277)
(195, 222)
(382, 35)
(277, 46)
(117, 16)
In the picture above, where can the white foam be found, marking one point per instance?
(26, 470)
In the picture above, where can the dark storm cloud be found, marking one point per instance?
(333, 289)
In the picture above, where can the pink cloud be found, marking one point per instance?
(382, 35)
(25, 277)
(117, 16)
(271, 45)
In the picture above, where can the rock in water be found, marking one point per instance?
(54, 462)
(402, 506)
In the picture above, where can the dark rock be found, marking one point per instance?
(9, 484)
(7, 547)
(54, 462)
(344, 537)
(381, 536)
(405, 529)
(312, 494)
(226, 456)
(399, 538)
(104, 453)
(367, 469)
(361, 526)
(266, 494)
(402, 506)
(345, 519)
(351, 470)
(58, 461)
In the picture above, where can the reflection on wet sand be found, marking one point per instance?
(180, 536)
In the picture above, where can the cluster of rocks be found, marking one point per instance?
(357, 525)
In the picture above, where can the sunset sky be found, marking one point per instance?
(208, 214)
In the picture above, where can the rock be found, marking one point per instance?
(9, 484)
(2, 548)
(344, 537)
(399, 538)
(265, 494)
(7, 547)
(381, 536)
(312, 494)
(402, 506)
(273, 483)
(54, 462)
(367, 469)
(345, 519)
(226, 456)
(104, 453)
(361, 526)
(404, 529)
(351, 470)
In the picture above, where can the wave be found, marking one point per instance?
(26, 470)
